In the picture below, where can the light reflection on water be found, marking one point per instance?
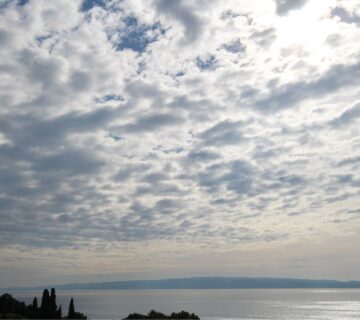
(269, 304)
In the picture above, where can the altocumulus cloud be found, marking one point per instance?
(175, 125)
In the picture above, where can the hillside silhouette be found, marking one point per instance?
(208, 283)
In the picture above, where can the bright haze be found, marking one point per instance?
(164, 138)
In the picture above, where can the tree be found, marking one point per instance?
(59, 313)
(14, 309)
(53, 306)
(156, 315)
(33, 309)
(71, 312)
(35, 303)
(45, 308)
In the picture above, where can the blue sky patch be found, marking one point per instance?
(22, 2)
(206, 64)
(115, 137)
(235, 46)
(41, 39)
(89, 4)
(137, 37)
(109, 97)
(180, 74)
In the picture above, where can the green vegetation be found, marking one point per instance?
(158, 315)
(11, 308)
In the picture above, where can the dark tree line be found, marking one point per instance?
(158, 315)
(10, 307)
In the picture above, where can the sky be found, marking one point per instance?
(168, 138)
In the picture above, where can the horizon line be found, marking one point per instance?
(179, 279)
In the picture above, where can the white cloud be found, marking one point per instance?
(215, 124)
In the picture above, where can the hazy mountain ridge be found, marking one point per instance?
(205, 283)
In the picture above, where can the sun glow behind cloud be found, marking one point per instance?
(308, 26)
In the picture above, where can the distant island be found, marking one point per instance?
(11, 308)
(158, 315)
(207, 283)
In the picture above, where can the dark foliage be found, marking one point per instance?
(158, 315)
(9, 305)
(11, 308)
(35, 303)
(72, 314)
(136, 316)
(78, 315)
(183, 315)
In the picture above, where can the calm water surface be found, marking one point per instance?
(282, 304)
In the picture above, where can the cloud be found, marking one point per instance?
(336, 78)
(235, 46)
(193, 26)
(237, 176)
(151, 122)
(208, 63)
(5, 37)
(347, 117)
(138, 128)
(203, 156)
(265, 37)
(70, 162)
(47, 132)
(224, 133)
(349, 161)
(284, 6)
(344, 15)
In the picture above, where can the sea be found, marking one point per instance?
(245, 304)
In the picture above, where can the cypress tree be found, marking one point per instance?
(53, 306)
(59, 313)
(34, 309)
(71, 312)
(35, 303)
(46, 305)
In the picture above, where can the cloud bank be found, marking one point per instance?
(167, 129)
